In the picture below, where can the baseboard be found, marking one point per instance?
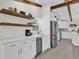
(42, 53)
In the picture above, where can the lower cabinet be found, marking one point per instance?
(33, 48)
(46, 42)
(24, 50)
(20, 50)
(11, 51)
(27, 48)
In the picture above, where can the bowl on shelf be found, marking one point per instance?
(22, 12)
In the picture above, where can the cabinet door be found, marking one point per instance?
(33, 47)
(11, 51)
(46, 42)
(24, 50)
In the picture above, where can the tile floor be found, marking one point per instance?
(64, 50)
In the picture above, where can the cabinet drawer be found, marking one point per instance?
(11, 44)
(23, 42)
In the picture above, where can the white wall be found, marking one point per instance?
(45, 12)
(9, 32)
(45, 18)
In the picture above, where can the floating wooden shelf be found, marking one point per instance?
(5, 11)
(29, 2)
(15, 24)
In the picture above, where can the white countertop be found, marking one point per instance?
(18, 38)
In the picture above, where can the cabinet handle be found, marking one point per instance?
(13, 45)
(24, 42)
(19, 51)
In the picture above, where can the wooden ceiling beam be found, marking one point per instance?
(74, 1)
(69, 10)
(59, 5)
(29, 2)
(65, 4)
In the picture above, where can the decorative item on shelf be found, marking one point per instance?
(22, 12)
(30, 15)
(10, 8)
(29, 23)
(15, 10)
(8, 12)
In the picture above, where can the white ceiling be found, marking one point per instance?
(62, 13)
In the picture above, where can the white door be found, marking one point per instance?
(11, 51)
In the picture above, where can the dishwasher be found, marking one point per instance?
(38, 46)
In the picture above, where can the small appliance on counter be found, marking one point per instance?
(28, 32)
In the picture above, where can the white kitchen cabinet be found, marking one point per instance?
(75, 38)
(46, 42)
(19, 50)
(34, 48)
(67, 35)
(11, 51)
(28, 49)
(24, 48)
